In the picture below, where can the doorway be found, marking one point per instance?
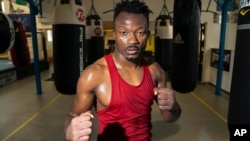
(201, 49)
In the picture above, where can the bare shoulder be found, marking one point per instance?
(97, 67)
(94, 74)
(155, 69)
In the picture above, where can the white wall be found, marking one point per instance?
(213, 41)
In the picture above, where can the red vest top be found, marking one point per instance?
(128, 116)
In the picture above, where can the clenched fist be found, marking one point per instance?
(80, 127)
(165, 98)
(167, 103)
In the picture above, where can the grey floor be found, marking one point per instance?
(26, 116)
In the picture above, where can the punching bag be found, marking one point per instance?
(95, 48)
(88, 34)
(163, 42)
(186, 27)
(7, 33)
(97, 41)
(163, 39)
(239, 102)
(68, 24)
(20, 54)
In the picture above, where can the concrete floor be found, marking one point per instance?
(26, 116)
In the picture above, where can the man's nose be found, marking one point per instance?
(132, 39)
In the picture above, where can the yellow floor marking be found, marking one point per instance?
(209, 107)
(32, 118)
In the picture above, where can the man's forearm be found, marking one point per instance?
(173, 114)
(67, 122)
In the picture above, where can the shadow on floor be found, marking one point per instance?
(162, 129)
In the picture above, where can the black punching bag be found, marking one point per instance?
(68, 44)
(163, 39)
(186, 27)
(95, 34)
(97, 41)
(163, 42)
(239, 102)
(88, 34)
(7, 33)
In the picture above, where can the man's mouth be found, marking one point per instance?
(132, 50)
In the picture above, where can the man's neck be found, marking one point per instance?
(122, 63)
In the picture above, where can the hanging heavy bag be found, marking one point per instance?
(20, 54)
(94, 36)
(96, 50)
(88, 34)
(7, 33)
(68, 44)
(163, 42)
(186, 26)
(239, 102)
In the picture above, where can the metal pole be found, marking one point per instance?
(33, 12)
(222, 46)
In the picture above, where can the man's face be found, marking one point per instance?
(130, 33)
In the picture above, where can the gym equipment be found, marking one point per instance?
(163, 39)
(186, 27)
(20, 54)
(239, 105)
(7, 31)
(68, 24)
(88, 34)
(94, 36)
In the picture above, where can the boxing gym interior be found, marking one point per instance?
(210, 73)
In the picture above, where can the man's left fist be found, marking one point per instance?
(165, 98)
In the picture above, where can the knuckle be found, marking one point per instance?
(74, 120)
(85, 138)
(89, 131)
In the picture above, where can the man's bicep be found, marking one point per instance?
(84, 97)
(82, 103)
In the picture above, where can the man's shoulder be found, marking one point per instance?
(153, 65)
(98, 66)
(94, 73)
(155, 69)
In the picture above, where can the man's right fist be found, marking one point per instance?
(80, 127)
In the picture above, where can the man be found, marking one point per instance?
(124, 84)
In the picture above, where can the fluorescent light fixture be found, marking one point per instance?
(49, 36)
(3, 8)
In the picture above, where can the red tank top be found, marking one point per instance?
(128, 116)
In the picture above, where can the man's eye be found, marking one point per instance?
(140, 33)
(123, 33)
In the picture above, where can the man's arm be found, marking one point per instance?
(78, 122)
(170, 108)
(165, 97)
